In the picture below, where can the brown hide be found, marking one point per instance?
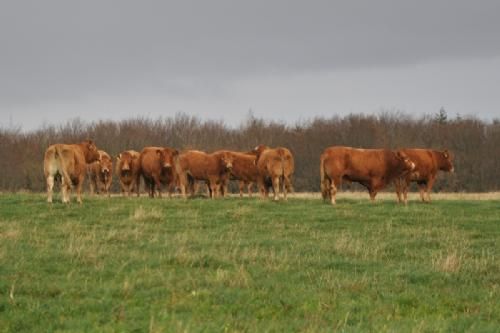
(158, 167)
(372, 168)
(213, 168)
(427, 164)
(69, 161)
(244, 171)
(128, 171)
(274, 166)
(100, 174)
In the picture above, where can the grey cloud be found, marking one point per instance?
(58, 49)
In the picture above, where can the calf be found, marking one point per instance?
(100, 174)
(69, 162)
(372, 168)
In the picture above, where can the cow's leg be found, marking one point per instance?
(79, 186)
(398, 183)
(276, 187)
(284, 187)
(170, 189)
(213, 188)
(91, 186)
(421, 188)
(428, 189)
(334, 185)
(183, 190)
(50, 187)
(158, 185)
(406, 186)
(241, 185)
(137, 185)
(65, 188)
(261, 186)
(151, 188)
(249, 189)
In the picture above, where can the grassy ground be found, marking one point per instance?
(138, 265)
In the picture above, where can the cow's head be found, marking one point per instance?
(257, 151)
(105, 163)
(227, 159)
(446, 161)
(124, 162)
(91, 151)
(406, 163)
(167, 157)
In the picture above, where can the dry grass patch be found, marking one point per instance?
(143, 214)
(449, 262)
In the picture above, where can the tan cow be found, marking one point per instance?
(70, 163)
(100, 174)
(159, 167)
(427, 164)
(213, 168)
(274, 166)
(128, 171)
(372, 168)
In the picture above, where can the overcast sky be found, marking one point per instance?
(284, 60)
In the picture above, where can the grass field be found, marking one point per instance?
(142, 265)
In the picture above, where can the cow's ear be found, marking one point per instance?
(119, 157)
(175, 153)
(158, 152)
(446, 154)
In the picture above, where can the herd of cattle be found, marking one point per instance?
(269, 168)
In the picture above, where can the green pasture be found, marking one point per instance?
(248, 265)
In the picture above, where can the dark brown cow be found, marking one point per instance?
(70, 163)
(128, 171)
(100, 174)
(427, 164)
(275, 166)
(244, 171)
(158, 166)
(372, 168)
(213, 168)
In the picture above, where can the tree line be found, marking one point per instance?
(474, 143)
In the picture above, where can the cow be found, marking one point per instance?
(427, 164)
(158, 166)
(244, 171)
(213, 168)
(274, 166)
(69, 162)
(128, 171)
(100, 174)
(372, 168)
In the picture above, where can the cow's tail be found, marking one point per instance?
(61, 165)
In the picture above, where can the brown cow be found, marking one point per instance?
(213, 168)
(69, 162)
(372, 168)
(427, 164)
(128, 171)
(275, 166)
(158, 165)
(100, 174)
(244, 171)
